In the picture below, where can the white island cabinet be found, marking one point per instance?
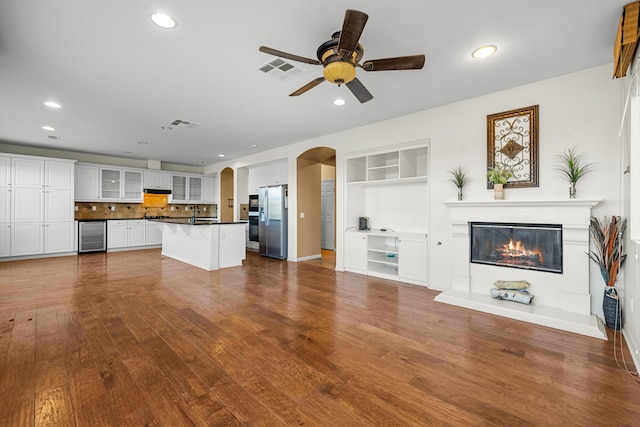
(209, 245)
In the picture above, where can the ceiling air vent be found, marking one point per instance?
(281, 70)
(184, 124)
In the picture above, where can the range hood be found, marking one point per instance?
(155, 191)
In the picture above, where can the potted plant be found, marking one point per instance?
(459, 178)
(607, 237)
(573, 166)
(498, 176)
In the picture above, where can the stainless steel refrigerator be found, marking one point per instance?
(273, 204)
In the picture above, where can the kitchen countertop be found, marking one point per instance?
(199, 221)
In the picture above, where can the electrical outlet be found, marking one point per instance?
(113, 208)
(75, 208)
(205, 209)
(93, 208)
(302, 215)
(171, 207)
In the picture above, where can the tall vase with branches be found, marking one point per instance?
(608, 254)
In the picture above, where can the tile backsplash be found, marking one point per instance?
(103, 210)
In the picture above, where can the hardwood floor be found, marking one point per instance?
(132, 338)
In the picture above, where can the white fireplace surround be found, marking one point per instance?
(561, 301)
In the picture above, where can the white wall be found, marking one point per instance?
(581, 109)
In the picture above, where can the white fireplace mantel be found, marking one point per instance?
(561, 301)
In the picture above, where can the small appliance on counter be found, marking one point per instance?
(364, 223)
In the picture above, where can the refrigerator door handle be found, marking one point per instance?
(266, 204)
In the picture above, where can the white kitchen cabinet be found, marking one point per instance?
(195, 189)
(157, 180)
(209, 191)
(277, 173)
(154, 233)
(59, 237)
(120, 185)
(126, 233)
(5, 204)
(27, 172)
(355, 253)
(257, 178)
(27, 238)
(87, 183)
(187, 189)
(5, 171)
(412, 258)
(58, 205)
(5, 239)
(39, 200)
(27, 204)
(59, 175)
(116, 234)
(178, 189)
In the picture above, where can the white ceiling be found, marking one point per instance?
(119, 77)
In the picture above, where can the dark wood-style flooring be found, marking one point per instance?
(132, 338)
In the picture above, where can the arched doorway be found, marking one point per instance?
(316, 174)
(225, 210)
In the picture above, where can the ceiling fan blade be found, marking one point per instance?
(310, 85)
(354, 22)
(414, 62)
(290, 56)
(359, 91)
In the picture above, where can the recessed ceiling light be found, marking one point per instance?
(163, 20)
(484, 51)
(52, 104)
(48, 128)
(220, 155)
(339, 101)
(254, 145)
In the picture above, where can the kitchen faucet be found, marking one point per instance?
(193, 215)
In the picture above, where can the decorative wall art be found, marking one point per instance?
(512, 142)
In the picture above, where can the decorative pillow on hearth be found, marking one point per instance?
(511, 284)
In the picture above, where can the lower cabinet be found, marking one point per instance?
(154, 233)
(5, 240)
(355, 249)
(391, 256)
(126, 233)
(29, 238)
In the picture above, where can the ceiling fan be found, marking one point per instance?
(342, 54)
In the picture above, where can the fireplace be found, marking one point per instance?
(535, 247)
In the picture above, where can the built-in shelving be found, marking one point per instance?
(382, 255)
(389, 166)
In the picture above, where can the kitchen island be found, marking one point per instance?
(204, 243)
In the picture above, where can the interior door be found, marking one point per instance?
(327, 194)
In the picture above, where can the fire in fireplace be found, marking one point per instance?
(527, 246)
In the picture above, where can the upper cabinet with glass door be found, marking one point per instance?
(120, 185)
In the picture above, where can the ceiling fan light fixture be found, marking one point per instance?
(339, 101)
(52, 104)
(163, 20)
(339, 72)
(484, 51)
